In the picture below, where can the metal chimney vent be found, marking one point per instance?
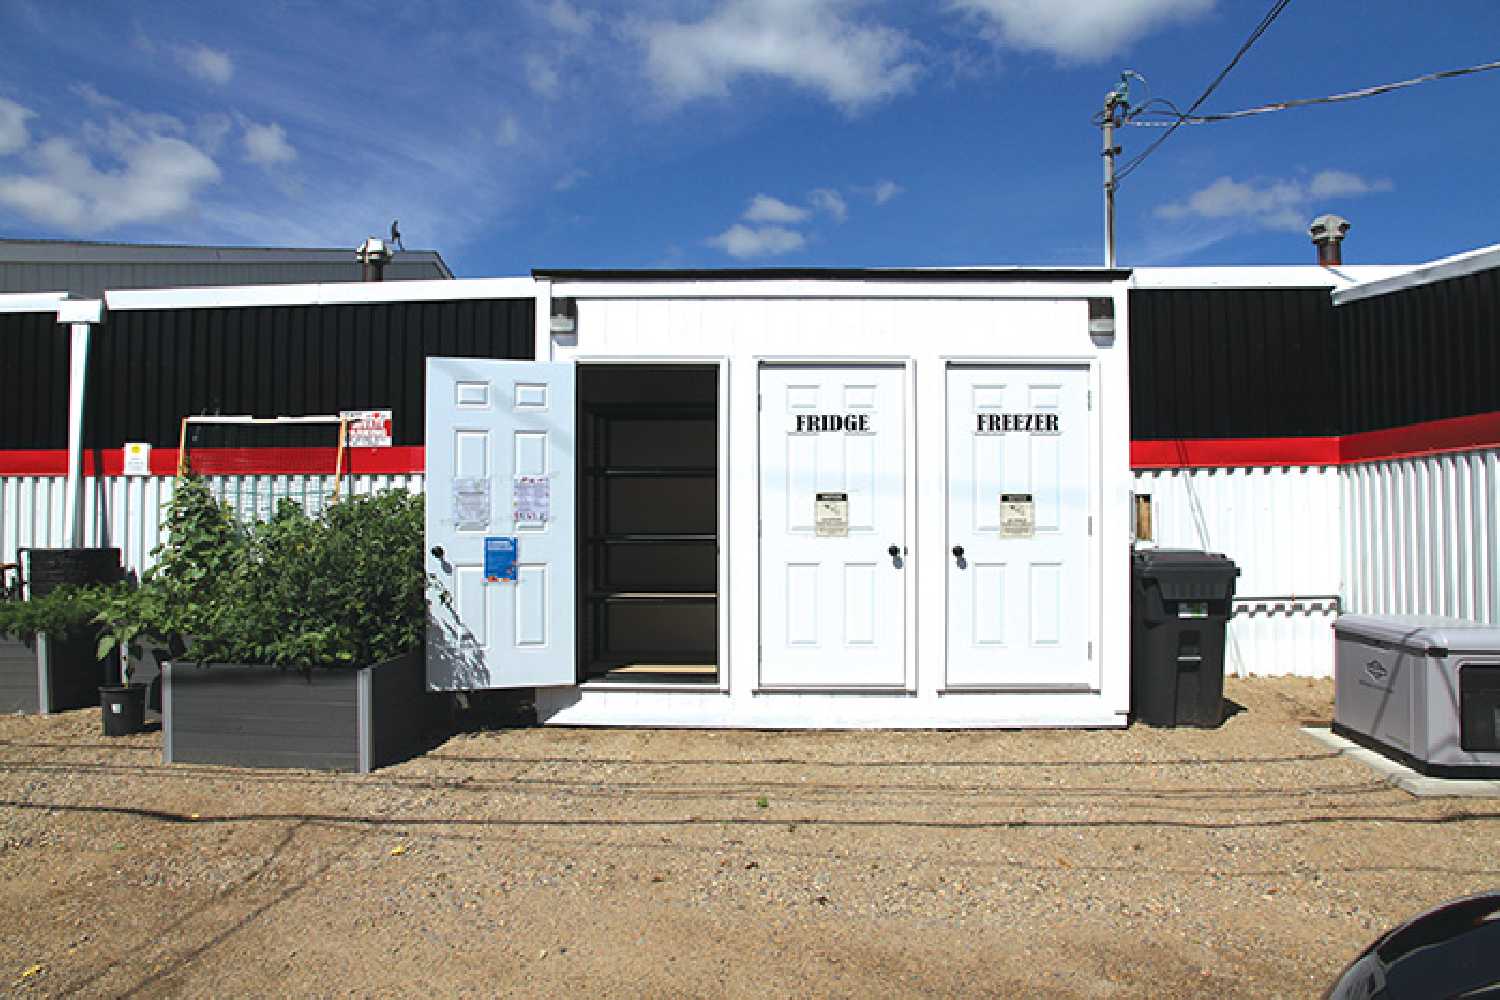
(373, 255)
(1327, 232)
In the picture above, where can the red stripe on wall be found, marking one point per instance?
(1216, 453)
(396, 461)
(1432, 437)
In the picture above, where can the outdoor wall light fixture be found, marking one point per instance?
(564, 315)
(1102, 319)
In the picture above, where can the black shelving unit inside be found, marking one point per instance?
(648, 523)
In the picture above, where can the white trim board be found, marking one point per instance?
(28, 302)
(591, 706)
(1263, 276)
(812, 289)
(1456, 266)
(332, 293)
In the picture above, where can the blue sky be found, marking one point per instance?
(707, 133)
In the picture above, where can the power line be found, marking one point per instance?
(1173, 117)
(1260, 29)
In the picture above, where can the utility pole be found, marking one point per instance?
(1115, 104)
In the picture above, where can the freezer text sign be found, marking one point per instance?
(832, 423)
(1024, 423)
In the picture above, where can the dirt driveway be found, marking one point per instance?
(1246, 861)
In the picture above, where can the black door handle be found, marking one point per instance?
(958, 551)
(894, 552)
(437, 551)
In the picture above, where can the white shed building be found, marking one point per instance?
(851, 499)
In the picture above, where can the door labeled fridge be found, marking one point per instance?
(833, 500)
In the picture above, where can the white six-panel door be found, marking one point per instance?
(500, 442)
(1018, 594)
(833, 605)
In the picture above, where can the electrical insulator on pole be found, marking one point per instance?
(1116, 103)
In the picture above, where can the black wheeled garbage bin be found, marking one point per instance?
(1181, 600)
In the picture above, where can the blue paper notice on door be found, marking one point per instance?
(499, 559)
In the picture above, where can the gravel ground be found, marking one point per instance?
(1243, 861)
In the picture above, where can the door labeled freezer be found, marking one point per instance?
(833, 527)
(500, 516)
(1019, 489)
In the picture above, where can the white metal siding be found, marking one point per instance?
(1420, 536)
(1281, 527)
(1270, 639)
(126, 511)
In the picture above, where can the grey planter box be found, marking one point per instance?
(50, 675)
(248, 715)
(20, 675)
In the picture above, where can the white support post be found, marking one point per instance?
(543, 338)
(81, 317)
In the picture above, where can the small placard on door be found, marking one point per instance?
(532, 499)
(1017, 515)
(831, 515)
(471, 503)
(500, 558)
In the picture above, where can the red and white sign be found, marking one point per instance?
(368, 428)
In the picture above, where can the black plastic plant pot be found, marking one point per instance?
(123, 709)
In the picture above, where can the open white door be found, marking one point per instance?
(500, 515)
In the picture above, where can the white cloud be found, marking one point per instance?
(810, 43)
(157, 180)
(764, 208)
(508, 131)
(14, 135)
(93, 98)
(1342, 184)
(885, 190)
(210, 131)
(741, 241)
(541, 75)
(570, 180)
(829, 202)
(266, 145)
(206, 64)
(1274, 204)
(1077, 30)
(567, 18)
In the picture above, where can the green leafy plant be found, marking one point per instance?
(67, 609)
(181, 595)
(344, 588)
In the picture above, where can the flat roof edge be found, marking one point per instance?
(1047, 274)
(1457, 266)
(1247, 276)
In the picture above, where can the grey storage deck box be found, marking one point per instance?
(1423, 690)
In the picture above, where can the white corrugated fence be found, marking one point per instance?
(1407, 536)
(1420, 536)
(126, 511)
(1280, 525)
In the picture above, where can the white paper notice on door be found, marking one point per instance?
(532, 499)
(1017, 515)
(471, 503)
(831, 515)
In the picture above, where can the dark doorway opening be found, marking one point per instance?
(648, 519)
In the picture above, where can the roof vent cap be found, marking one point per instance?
(1327, 232)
